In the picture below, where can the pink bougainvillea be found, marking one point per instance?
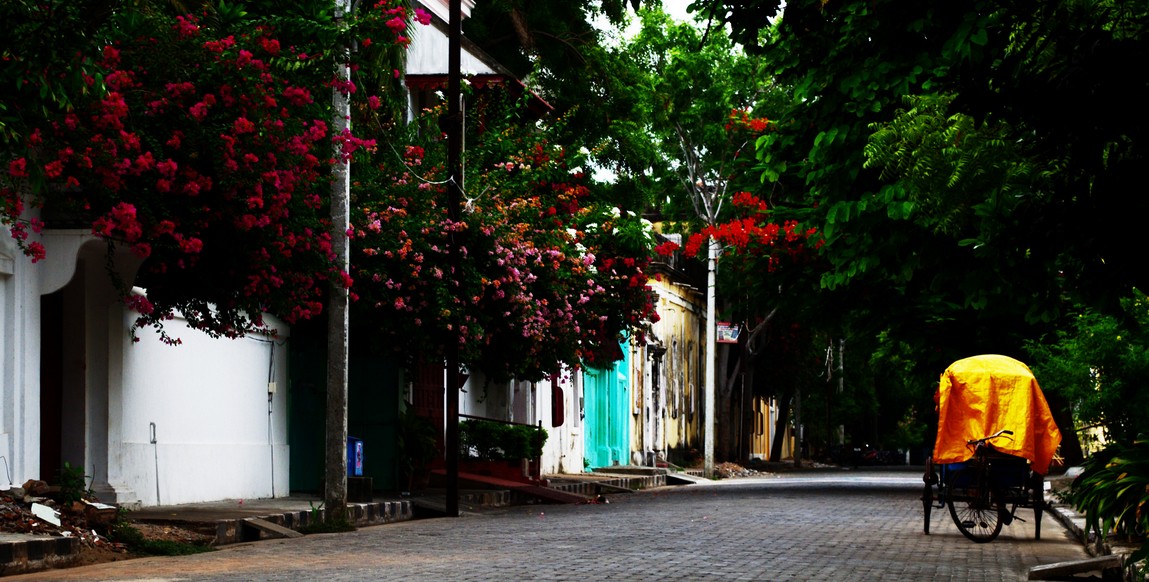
(547, 276)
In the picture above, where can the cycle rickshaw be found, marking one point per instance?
(996, 439)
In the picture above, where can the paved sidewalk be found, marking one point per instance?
(856, 526)
(225, 519)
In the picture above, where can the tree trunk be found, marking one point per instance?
(745, 417)
(798, 428)
(1071, 453)
(748, 415)
(780, 432)
(335, 463)
(726, 428)
(731, 405)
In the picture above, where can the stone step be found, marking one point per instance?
(264, 527)
(1109, 567)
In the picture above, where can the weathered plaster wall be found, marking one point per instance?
(666, 411)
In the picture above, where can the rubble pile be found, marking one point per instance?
(730, 470)
(38, 508)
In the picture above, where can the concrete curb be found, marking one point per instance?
(591, 488)
(1075, 523)
(37, 553)
(231, 531)
(1071, 521)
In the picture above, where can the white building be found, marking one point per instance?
(147, 422)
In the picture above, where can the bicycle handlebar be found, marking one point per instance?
(983, 440)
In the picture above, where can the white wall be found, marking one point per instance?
(519, 402)
(479, 398)
(563, 452)
(208, 400)
(428, 52)
(19, 365)
(208, 397)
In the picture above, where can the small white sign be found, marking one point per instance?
(46, 513)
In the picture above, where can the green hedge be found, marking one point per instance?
(489, 440)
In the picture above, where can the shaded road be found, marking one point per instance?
(830, 526)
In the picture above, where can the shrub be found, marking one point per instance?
(1113, 493)
(490, 440)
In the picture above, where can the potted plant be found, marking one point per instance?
(508, 451)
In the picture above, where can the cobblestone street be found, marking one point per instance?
(826, 526)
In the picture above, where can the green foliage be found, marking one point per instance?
(1100, 363)
(1113, 494)
(1012, 177)
(327, 527)
(42, 60)
(568, 62)
(490, 440)
(692, 85)
(961, 177)
(73, 484)
(319, 523)
(963, 186)
(905, 380)
(945, 214)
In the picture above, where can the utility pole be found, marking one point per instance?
(711, 356)
(335, 473)
(454, 130)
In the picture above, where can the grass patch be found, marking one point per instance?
(337, 526)
(318, 524)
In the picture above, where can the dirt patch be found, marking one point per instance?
(99, 555)
(105, 533)
(114, 551)
(171, 533)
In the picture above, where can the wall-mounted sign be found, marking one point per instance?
(728, 332)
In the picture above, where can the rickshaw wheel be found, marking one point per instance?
(977, 521)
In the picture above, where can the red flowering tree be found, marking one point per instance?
(752, 238)
(751, 242)
(548, 276)
(751, 234)
(204, 149)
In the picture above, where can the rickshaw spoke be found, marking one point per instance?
(978, 521)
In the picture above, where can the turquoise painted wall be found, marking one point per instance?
(606, 396)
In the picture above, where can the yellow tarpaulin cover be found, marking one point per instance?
(981, 395)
